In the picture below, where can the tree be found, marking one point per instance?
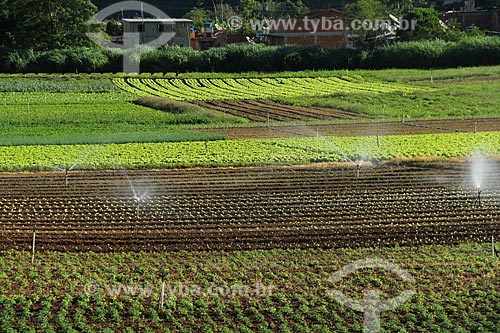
(289, 8)
(6, 25)
(198, 16)
(360, 11)
(114, 28)
(46, 24)
(427, 25)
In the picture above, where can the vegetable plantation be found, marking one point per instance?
(456, 291)
(115, 187)
(246, 208)
(278, 151)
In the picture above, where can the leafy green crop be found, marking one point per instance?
(255, 88)
(247, 152)
(456, 290)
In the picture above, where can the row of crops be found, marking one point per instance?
(246, 152)
(205, 89)
(246, 208)
(456, 291)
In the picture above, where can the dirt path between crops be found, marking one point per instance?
(362, 129)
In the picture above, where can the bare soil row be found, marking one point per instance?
(362, 129)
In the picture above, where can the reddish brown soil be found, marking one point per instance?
(362, 129)
(246, 208)
(259, 111)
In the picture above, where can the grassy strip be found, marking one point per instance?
(41, 113)
(248, 152)
(456, 290)
(50, 84)
(462, 99)
(180, 107)
(119, 138)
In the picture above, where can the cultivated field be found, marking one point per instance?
(113, 185)
(229, 209)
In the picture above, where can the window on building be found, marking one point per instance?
(161, 28)
(141, 28)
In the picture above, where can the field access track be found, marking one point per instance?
(246, 208)
(362, 129)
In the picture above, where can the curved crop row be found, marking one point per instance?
(204, 89)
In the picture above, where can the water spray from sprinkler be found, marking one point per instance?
(479, 169)
(138, 207)
(138, 198)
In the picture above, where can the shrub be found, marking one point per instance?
(468, 51)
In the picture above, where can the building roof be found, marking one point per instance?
(318, 13)
(150, 20)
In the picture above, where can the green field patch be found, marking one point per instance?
(248, 152)
(461, 99)
(84, 139)
(41, 113)
(456, 290)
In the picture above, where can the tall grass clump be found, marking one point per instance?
(473, 51)
(468, 51)
(420, 54)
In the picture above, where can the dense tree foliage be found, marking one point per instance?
(45, 24)
(364, 10)
(427, 25)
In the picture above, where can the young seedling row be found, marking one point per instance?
(246, 208)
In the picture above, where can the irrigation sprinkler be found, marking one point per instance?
(475, 127)
(138, 207)
(493, 252)
(478, 199)
(318, 137)
(33, 245)
(162, 296)
(358, 168)
(66, 174)
(268, 120)
(378, 138)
